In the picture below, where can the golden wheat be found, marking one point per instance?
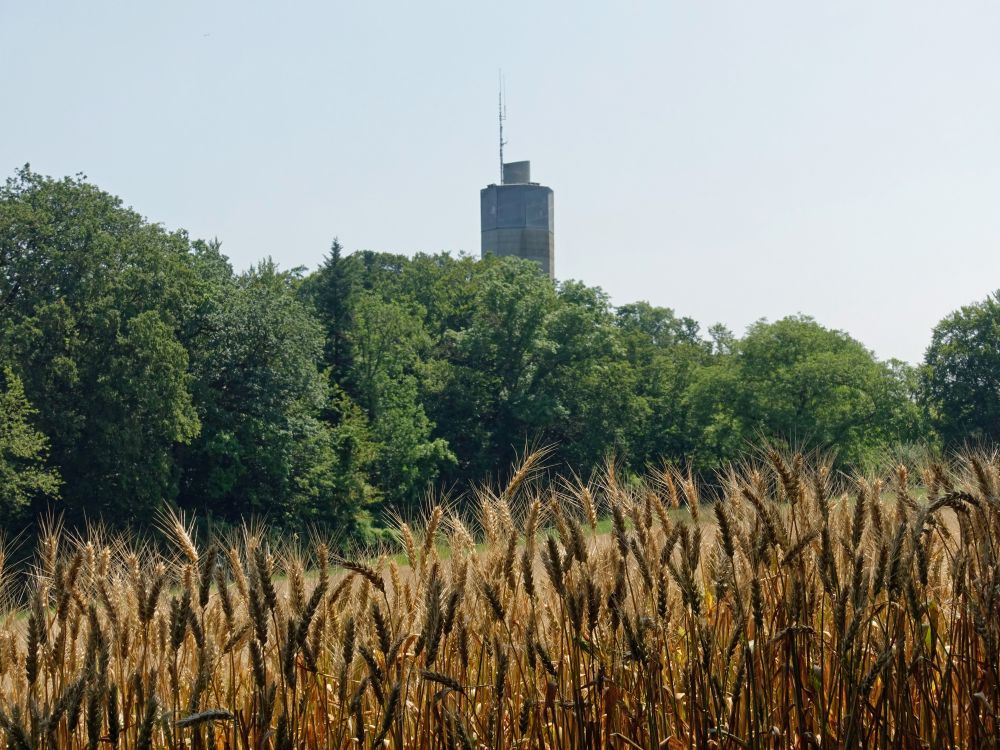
(812, 612)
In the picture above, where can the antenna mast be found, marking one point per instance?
(502, 115)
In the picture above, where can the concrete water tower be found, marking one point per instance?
(517, 218)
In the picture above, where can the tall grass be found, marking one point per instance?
(800, 609)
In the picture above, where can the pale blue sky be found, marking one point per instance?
(732, 160)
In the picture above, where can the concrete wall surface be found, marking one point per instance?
(519, 220)
(515, 172)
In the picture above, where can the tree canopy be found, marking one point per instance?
(795, 380)
(961, 374)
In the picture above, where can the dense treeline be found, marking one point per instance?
(137, 368)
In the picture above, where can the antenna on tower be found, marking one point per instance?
(502, 115)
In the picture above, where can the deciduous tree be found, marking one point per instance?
(961, 373)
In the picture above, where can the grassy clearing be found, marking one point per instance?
(795, 612)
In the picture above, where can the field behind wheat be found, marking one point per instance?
(799, 609)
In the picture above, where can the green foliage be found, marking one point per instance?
(158, 376)
(24, 476)
(663, 352)
(389, 346)
(961, 376)
(92, 299)
(584, 387)
(492, 383)
(795, 380)
(263, 448)
(355, 451)
(378, 353)
(332, 290)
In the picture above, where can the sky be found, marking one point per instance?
(731, 160)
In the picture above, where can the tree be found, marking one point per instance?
(534, 364)
(93, 301)
(961, 373)
(378, 354)
(584, 389)
(24, 476)
(487, 409)
(333, 290)
(356, 451)
(390, 347)
(796, 380)
(444, 288)
(260, 390)
(663, 352)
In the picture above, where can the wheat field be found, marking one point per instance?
(800, 608)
